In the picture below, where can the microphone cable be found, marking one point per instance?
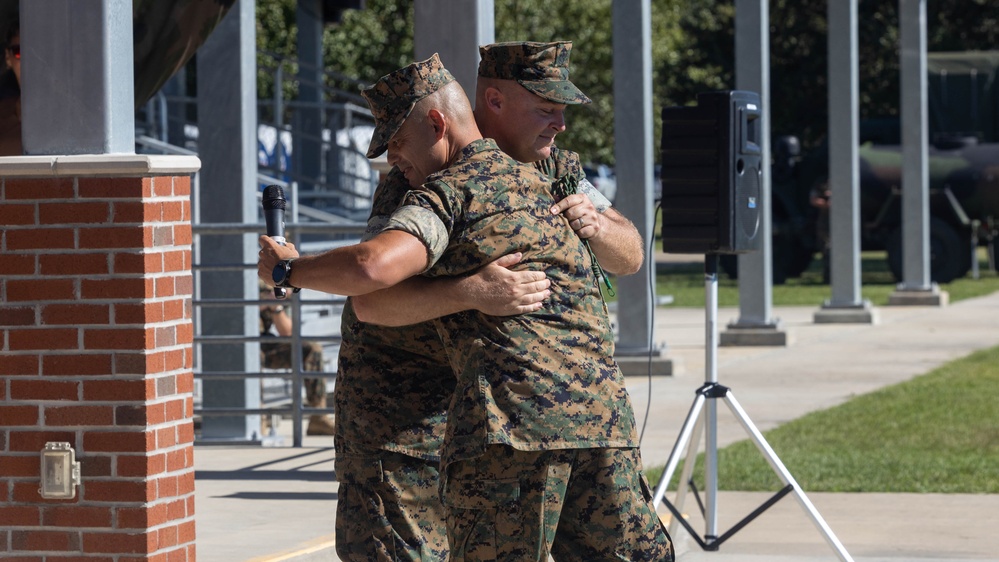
(652, 299)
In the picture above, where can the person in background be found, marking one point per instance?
(10, 93)
(277, 355)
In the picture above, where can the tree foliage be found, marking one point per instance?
(588, 25)
(371, 42)
(693, 51)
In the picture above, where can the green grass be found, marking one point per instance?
(685, 283)
(937, 433)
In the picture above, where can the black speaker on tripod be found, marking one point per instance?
(711, 174)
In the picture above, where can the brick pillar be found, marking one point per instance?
(96, 350)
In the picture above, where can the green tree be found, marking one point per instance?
(372, 42)
(276, 33)
(588, 24)
(693, 51)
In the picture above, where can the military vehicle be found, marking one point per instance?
(963, 102)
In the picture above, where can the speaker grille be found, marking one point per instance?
(711, 162)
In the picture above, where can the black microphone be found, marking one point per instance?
(274, 204)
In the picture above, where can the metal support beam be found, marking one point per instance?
(633, 144)
(77, 92)
(756, 325)
(846, 304)
(227, 121)
(916, 286)
(455, 30)
(915, 146)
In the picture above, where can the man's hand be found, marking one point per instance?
(583, 217)
(497, 290)
(270, 254)
(613, 238)
(494, 289)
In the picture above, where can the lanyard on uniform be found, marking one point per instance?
(563, 187)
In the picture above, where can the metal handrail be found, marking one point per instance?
(344, 109)
(296, 374)
(332, 187)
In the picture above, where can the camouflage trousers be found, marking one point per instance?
(388, 508)
(585, 505)
(277, 355)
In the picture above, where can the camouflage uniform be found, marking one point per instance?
(541, 424)
(393, 389)
(391, 399)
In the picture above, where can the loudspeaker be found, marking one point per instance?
(333, 9)
(711, 174)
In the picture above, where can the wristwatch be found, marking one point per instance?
(281, 274)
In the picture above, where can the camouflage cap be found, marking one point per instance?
(392, 98)
(542, 68)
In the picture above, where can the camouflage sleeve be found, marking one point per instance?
(423, 224)
(599, 201)
(566, 163)
(428, 213)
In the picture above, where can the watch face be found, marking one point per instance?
(279, 273)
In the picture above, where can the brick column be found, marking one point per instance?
(96, 350)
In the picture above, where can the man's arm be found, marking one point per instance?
(380, 262)
(494, 289)
(612, 237)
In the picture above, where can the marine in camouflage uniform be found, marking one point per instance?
(393, 389)
(541, 427)
(391, 397)
(522, 92)
(392, 393)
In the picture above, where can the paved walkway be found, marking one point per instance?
(276, 503)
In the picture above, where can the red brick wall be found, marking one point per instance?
(95, 350)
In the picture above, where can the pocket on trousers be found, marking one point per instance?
(358, 470)
(475, 512)
(481, 494)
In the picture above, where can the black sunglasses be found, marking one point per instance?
(15, 50)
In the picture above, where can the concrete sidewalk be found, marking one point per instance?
(274, 504)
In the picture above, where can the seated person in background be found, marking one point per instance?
(10, 94)
(277, 355)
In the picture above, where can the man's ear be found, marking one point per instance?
(437, 121)
(494, 99)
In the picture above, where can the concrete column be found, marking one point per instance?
(756, 325)
(633, 145)
(77, 93)
(96, 346)
(846, 304)
(916, 287)
(455, 30)
(227, 120)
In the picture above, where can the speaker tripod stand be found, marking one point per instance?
(705, 403)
